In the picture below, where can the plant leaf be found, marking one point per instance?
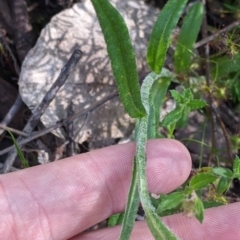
(201, 180)
(196, 104)
(187, 37)
(172, 117)
(221, 66)
(236, 165)
(157, 227)
(122, 57)
(170, 201)
(176, 96)
(199, 209)
(156, 98)
(132, 206)
(160, 37)
(182, 122)
(210, 204)
(187, 94)
(223, 185)
(115, 219)
(223, 172)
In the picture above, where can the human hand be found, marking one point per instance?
(60, 200)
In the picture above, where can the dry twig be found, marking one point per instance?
(13, 130)
(61, 123)
(70, 129)
(40, 109)
(208, 39)
(12, 113)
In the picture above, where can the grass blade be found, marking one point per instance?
(19, 152)
(122, 57)
(160, 37)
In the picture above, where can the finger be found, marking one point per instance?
(221, 223)
(60, 199)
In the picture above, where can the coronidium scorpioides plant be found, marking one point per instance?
(144, 103)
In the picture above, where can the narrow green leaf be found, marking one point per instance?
(201, 180)
(170, 201)
(161, 33)
(196, 104)
(172, 117)
(157, 227)
(199, 210)
(223, 185)
(236, 165)
(187, 37)
(19, 152)
(223, 172)
(122, 57)
(153, 122)
(132, 206)
(156, 98)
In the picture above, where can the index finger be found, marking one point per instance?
(61, 199)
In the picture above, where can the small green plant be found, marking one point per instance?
(144, 105)
(185, 104)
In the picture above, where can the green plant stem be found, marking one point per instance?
(157, 227)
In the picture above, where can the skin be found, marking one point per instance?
(60, 200)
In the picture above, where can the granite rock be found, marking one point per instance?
(92, 80)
